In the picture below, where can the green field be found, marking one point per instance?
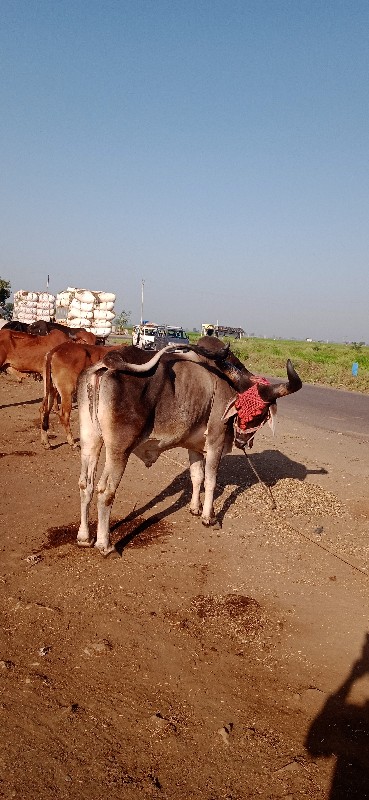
(316, 362)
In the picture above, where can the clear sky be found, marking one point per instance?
(216, 149)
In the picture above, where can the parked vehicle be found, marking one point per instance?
(208, 329)
(169, 334)
(143, 336)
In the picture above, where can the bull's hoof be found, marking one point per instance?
(107, 551)
(196, 512)
(85, 542)
(212, 523)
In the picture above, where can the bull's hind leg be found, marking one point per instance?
(91, 443)
(197, 478)
(45, 410)
(115, 465)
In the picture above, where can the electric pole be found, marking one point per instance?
(142, 299)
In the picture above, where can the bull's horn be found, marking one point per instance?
(115, 360)
(271, 393)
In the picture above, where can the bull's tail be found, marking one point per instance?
(92, 377)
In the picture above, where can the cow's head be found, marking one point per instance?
(38, 328)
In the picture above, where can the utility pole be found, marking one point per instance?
(142, 299)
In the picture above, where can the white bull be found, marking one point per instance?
(172, 400)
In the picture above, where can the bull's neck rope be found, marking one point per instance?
(254, 431)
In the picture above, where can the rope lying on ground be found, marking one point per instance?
(295, 530)
(304, 535)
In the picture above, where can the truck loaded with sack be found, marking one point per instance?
(82, 308)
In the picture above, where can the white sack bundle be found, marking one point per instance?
(85, 296)
(104, 315)
(24, 316)
(87, 306)
(73, 313)
(100, 331)
(63, 299)
(28, 296)
(106, 297)
(46, 297)
(80, 322)
(26, 303)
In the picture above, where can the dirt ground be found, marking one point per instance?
(198, 663)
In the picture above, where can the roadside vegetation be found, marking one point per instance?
(316, 362)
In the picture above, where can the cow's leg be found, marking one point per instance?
(91, 443)
(64, 416)
(18, 375)
(115, 465)
(45, 409)
(197, 478)
(212, 460)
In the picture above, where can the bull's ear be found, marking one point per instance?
(113, 360)
(230, 410)
(212, 353)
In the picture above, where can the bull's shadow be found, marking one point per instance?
(341, 729)
(234, 470)
(22, 403)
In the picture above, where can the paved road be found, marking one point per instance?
(329, 409)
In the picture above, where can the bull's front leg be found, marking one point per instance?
(113, 470)
(197, 479)
(212, 460)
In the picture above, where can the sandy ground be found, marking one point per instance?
(222, 664)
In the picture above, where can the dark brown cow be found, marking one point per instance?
(62, 368)
(178, 401)
(15, 325)
(26, 353)
(41, 327)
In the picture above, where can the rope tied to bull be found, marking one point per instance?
(249, 405)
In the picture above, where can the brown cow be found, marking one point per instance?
(62, 368)
(26, 353)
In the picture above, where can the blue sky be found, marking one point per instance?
(216, 150)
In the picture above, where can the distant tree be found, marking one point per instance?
(7, 310)
(5, 291)
(121, 321)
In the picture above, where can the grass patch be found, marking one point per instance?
(316, 362)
